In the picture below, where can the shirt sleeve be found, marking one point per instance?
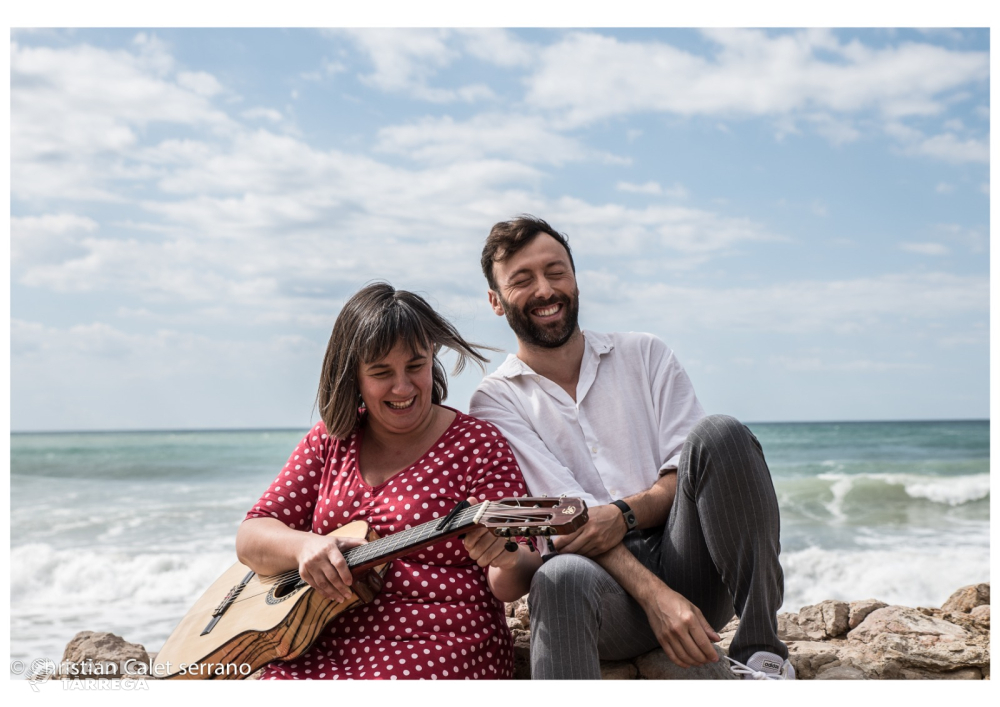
(675, 402)
(544, 473)
(292, 496)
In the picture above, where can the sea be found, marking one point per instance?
(122, 531)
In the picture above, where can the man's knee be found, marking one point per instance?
(722, 430)
(566, 582)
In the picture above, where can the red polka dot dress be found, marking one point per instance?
(435, 618)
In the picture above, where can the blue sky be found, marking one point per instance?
(802, 215)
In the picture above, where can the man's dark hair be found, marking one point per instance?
(372, 322)
(508, 237)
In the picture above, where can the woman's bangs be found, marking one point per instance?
(398, 324)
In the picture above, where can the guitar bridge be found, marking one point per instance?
(226, 602)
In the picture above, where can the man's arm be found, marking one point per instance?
(681, 629)
(606, 526)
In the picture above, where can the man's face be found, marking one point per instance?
(537, 293)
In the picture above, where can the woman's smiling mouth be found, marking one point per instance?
(401, 405)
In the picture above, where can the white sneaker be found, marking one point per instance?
(763, 666)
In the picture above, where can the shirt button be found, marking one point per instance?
(594, 450)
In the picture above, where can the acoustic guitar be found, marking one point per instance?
(244, 620)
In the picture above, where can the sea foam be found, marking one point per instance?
(911, 576)
(950, 490)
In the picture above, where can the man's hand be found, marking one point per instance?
(323, 567)
(684, 634)
(605, 528)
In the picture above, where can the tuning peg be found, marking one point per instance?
(510, 546)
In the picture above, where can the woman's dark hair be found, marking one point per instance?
(371, 323)
(508, 237)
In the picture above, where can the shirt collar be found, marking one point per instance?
(595, 343)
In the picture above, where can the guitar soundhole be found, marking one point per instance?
(282, 590)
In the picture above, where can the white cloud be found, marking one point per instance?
(498, 46)
(655, 236)
(199, 82)
(944, 188)
(260, 113)
(75, 113)
(48, 238)
(406, 59)
(646, 188)
(925, 248)
(587, 76)
(949, 148)
(800, 307)
(525, 138)
(677, 191)
(976, 240)
(816, 364)
(945, 146)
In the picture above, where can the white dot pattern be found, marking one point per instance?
(435, 617)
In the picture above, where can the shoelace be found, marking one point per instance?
(738, 668)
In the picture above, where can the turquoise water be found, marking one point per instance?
(122, 531)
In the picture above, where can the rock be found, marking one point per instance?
(981, 615)
(655, 665)
(968, 598)
(102, 654)
(961, 674)
(828, 619)
(727, 632)
(789, 629)
(618, 670)
(859, 610)
(521, 613)
(899, 642)
(808, 657)
(522, 654)
(839, 672)
(881, 642)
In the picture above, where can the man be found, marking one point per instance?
(683, 518)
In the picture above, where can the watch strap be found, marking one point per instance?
(627, 512)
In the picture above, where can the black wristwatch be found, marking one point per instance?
(630, 522)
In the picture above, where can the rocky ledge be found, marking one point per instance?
(832, 640)
(837, 640)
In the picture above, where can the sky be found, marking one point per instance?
(801, 215)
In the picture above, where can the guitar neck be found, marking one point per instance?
(383, 550)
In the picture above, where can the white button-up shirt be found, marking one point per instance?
(633, 410)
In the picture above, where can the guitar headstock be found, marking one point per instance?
(526, 516)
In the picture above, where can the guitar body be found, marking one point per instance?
(267, 621)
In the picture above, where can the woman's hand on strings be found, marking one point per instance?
(323, 567)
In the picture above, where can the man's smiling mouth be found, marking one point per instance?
(547, 311)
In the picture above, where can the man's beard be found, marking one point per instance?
(548, 337)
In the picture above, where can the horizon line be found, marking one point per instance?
(188, 430)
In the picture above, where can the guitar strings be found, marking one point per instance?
(360, 554)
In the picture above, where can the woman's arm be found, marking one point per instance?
(269, 547)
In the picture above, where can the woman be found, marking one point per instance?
(387, 452)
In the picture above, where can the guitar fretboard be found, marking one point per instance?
(419, 535)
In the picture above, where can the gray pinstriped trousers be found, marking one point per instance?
(719, 549)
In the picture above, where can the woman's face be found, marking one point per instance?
(397, 389)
